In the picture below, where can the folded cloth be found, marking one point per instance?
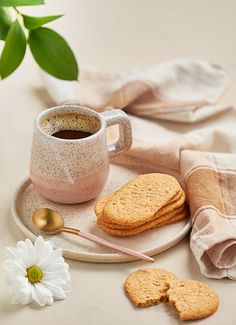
(202, 155)
(180, 90)
(211, 182)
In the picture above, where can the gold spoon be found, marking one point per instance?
(50, 222)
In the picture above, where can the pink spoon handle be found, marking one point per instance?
(107, 243)
(115, 246)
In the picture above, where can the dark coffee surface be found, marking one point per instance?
(71, 134)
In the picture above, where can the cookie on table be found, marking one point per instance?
(192, 299)
(147, 287)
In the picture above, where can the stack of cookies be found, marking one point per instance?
(147, 201)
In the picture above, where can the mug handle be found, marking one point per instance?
(117, 116)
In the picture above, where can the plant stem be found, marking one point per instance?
(18, 12)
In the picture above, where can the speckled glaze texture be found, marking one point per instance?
(74, 171)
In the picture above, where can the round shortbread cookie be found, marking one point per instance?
(147, 287)
(192, 299)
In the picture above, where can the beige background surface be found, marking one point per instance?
(114, 35)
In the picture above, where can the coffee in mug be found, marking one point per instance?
(70, 156)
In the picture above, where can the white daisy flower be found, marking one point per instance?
(36, 272)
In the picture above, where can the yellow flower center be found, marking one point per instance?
(34, 274)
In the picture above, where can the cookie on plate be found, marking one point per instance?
(171, 208)
(147, 201)
(168, 218)
(140, 199)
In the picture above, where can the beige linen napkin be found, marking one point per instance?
(210, 180)
(204, 160)
(180, 90)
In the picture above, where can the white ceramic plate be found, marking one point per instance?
(26, 200)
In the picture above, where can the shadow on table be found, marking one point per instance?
(44, 97)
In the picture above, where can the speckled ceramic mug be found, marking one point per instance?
(74, 171)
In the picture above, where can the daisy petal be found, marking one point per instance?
(21, 280)
(51, 258)
(10, 252)
(64, 285)
(41, 294)
(42, 248)
(57, 292)
(24, 257)
(29, 252)
(16, 299)
(21, 295)
(66, 266)
(54, 267)
(28, 243)
(50, 301)
(60, 274)
(14, 267)
(20, 244)
(26, 296)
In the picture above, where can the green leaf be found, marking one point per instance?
(36, 22)
(5, 22)
(53, 54)
(13, 51)
(14, 3)
(3, 30)
(5, 16)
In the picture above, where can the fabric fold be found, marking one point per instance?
(210, 187)
(180, 90)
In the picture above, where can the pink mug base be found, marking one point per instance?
(82, 189)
